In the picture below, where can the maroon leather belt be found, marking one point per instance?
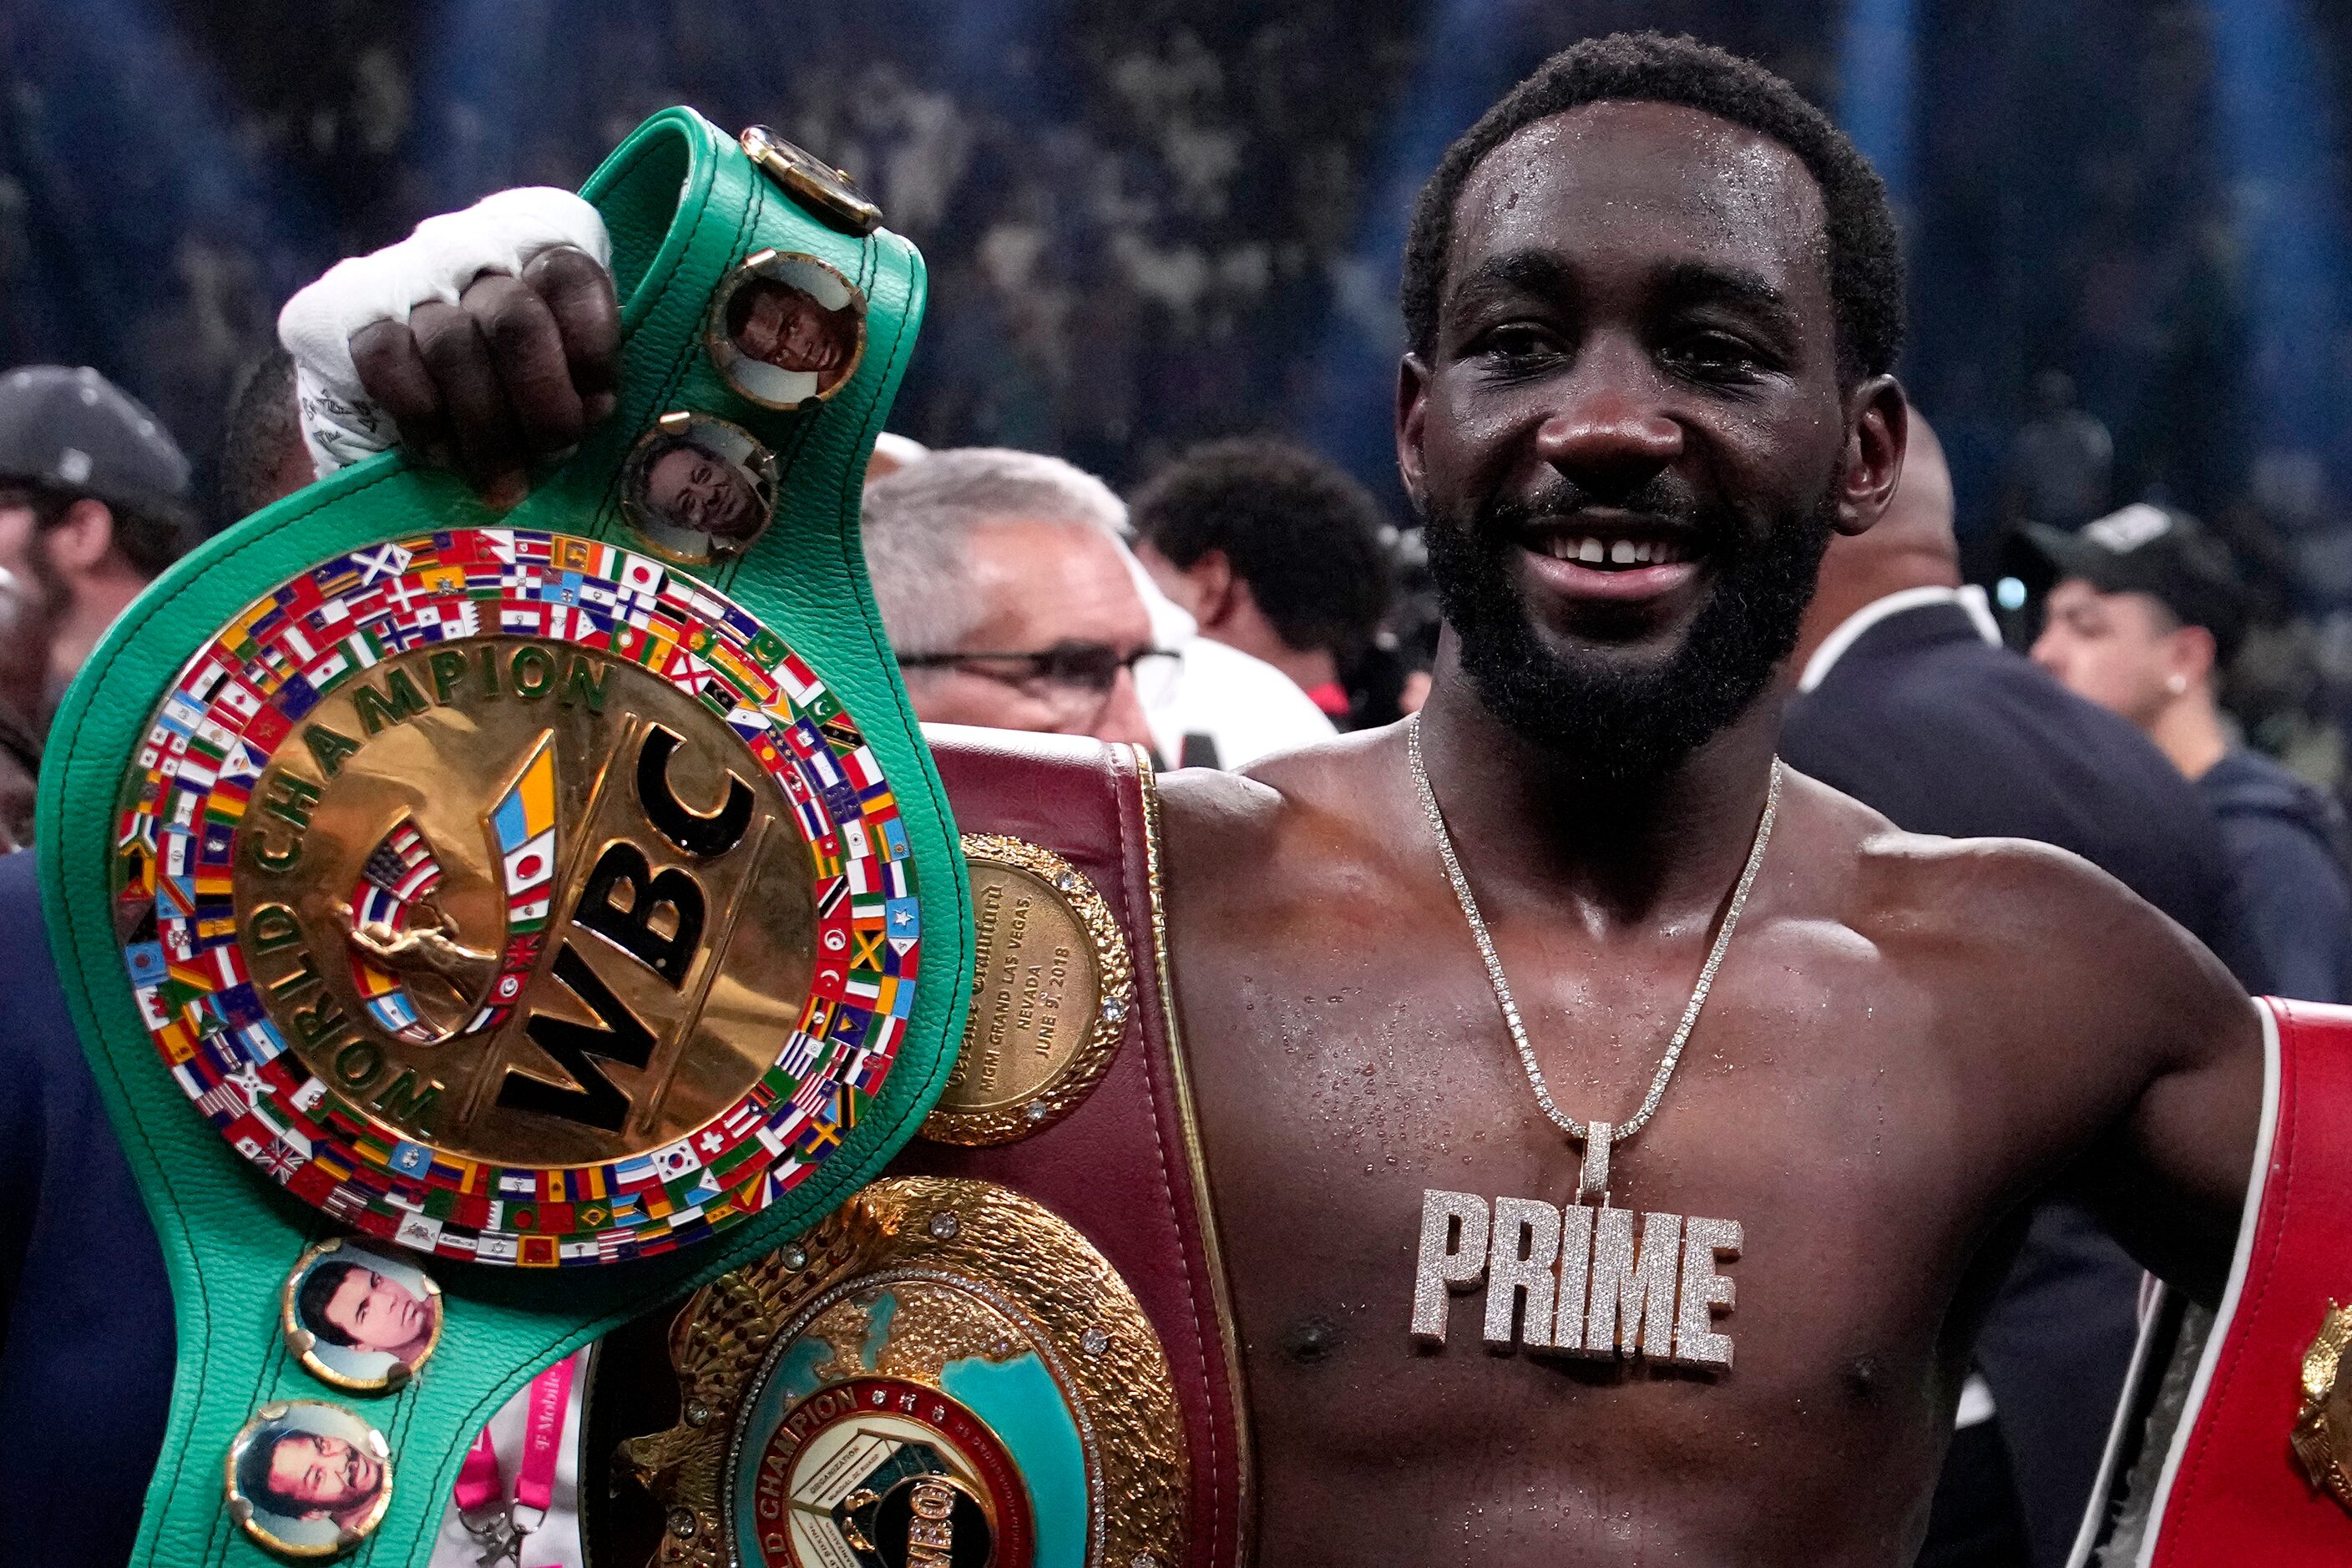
(1125, 1165)
(1116, 1160)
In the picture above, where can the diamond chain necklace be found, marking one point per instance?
(1599, 1135)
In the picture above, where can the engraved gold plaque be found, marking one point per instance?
(941, 1349)
(2323, 1431)
(1053, 991)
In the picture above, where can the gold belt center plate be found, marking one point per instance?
(665, 881)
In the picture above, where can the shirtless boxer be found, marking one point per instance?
(1653, 303)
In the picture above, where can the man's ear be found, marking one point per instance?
(1878, 433)
(83, 537)
(2193, 655)
(1214, 587)
(1411, 413)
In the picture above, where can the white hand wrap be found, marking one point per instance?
(500, 233)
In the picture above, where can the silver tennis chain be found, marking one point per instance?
(1596, 1136)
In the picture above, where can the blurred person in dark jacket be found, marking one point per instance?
(93, 506)
(1908, 701)
(2145, 614)
(1278, 552)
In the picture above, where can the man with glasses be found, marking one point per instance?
(1012, 601)
(1008, 597)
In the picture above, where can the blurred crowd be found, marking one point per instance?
(1151, 226)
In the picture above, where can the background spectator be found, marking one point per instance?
(1006, 596)
(93, 505)
(1278, 552)
(2145, 616)
(1010, 595)
(988, 552)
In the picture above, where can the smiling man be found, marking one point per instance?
(306, 1475)
(1441, 982)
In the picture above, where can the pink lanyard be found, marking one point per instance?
(481, 1486)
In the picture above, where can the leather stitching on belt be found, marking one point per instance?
(1193, 1281)
(2259, 1275)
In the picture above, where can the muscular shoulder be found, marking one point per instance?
(1303, 823)
(2030, 944)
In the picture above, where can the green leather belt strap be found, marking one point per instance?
(685, 204)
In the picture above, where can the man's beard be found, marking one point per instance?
(1605, 723)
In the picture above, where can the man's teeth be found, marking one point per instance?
(1588, 552)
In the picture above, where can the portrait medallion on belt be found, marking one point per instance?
(698, 489)
(309, 1478)
(786, 331)
(941, 1373)
(1053, 989)
(357, 1319)
(493, 890)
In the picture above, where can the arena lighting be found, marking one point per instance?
(2278, 136)
(1466, 62)
(1877, 80)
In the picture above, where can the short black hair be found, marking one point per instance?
(1306, 538)
(260, 435)
(318, 1287)
(1865, 251)
(254, 1479)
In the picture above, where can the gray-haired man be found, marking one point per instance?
(1007, 596)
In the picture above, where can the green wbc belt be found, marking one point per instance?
(486, 927)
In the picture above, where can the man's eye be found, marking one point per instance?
(1713, 355)
(1516, 344)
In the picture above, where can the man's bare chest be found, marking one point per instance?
(1807, 1199)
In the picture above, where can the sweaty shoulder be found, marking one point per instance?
(1296, 823)
(2035, 946)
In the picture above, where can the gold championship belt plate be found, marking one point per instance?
(571, 917)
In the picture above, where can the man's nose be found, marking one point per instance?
(1122, 717)
(2046, 653)
(1609, 432)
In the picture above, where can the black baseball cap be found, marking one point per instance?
(74, 432)
(2158, 551)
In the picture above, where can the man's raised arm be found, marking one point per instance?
(490, 340)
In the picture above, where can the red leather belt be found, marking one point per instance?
(2257, 1464)
(1124, 1166)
